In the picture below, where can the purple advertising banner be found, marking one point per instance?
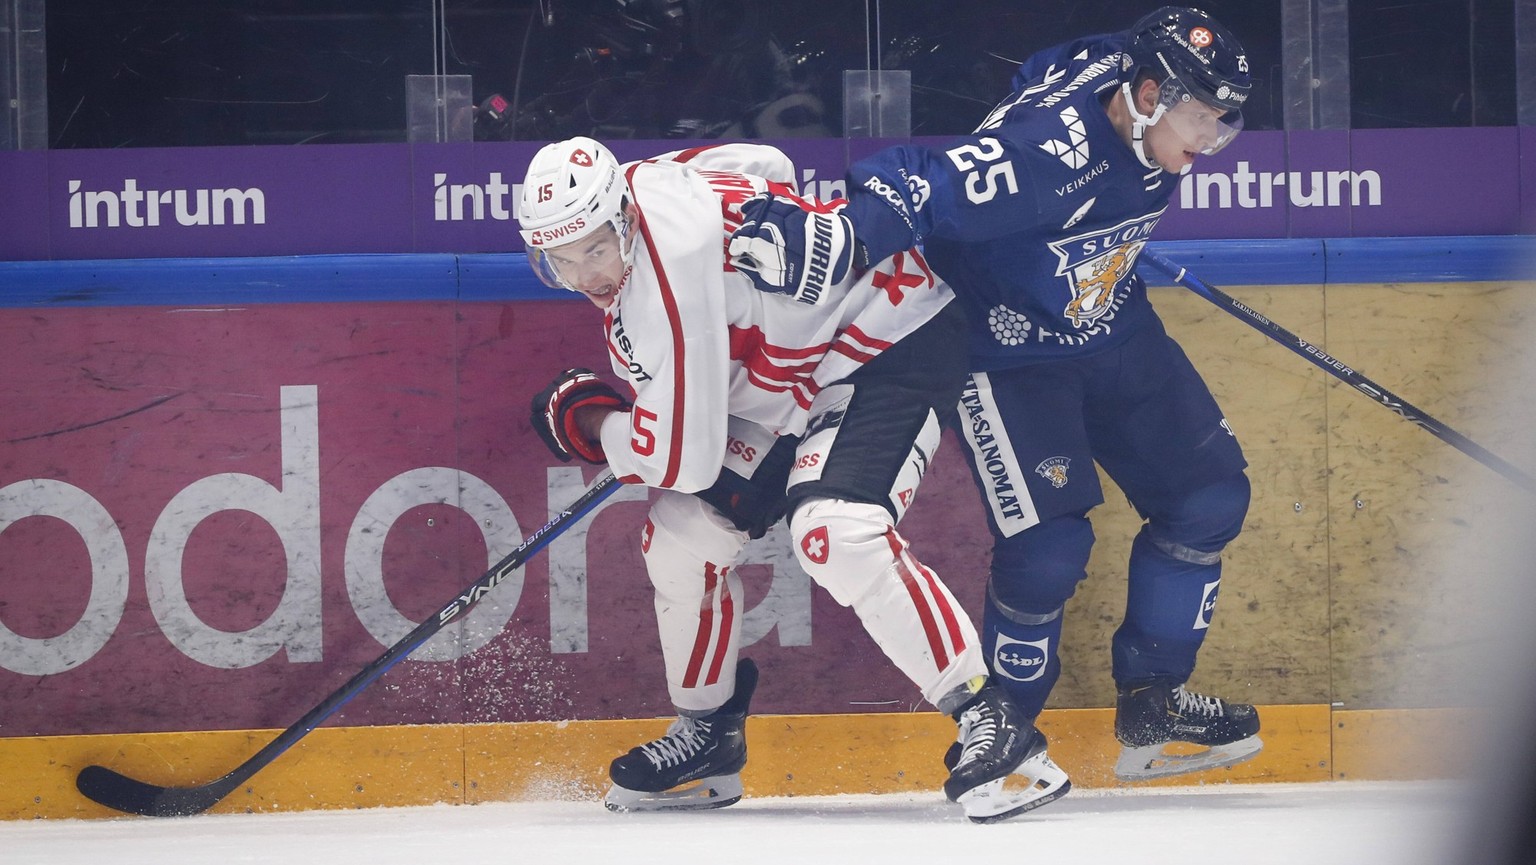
(200, 202)
(1310, 160)
(217, 201)
(1467, 178)
(1527, 182)
(23, 178)
(1231, 193)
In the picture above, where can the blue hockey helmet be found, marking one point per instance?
(1192, 57)
(1195, 48)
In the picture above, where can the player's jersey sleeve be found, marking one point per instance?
(1048, 69)
(974, 189)
(761, 160)
(669, 337)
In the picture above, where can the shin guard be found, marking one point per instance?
(689, 548)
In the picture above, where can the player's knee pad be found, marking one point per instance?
(844, 546)
(852, 550)
(1035, 571)
(1200, 525)
(684, 537)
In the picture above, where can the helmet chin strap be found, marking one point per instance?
(1140, 123)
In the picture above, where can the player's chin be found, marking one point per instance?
(1179, 162)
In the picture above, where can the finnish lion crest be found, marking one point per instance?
(1097, 264)
(1054, 470)
(1091, 294)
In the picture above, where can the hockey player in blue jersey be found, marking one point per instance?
(1036, 220)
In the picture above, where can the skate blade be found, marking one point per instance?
(1043, 783)
(1149, 762)
(701, 795)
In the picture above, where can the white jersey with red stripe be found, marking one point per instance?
(699, 345)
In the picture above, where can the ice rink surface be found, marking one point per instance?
(1332, 823)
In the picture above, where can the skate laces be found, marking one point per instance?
(978, 730)
(684, 739)
(1191, 703)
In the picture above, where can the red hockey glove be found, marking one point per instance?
(554, 413)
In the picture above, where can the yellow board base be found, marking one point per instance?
(791, 755)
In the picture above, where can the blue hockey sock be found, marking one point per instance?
(1022, 655)
(1168, 613)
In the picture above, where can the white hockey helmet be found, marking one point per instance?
(573, 188)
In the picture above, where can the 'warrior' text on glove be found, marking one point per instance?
(792, 246)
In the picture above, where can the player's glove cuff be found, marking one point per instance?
(553, 414)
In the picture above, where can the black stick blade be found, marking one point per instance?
(122, 793)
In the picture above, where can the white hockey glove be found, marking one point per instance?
(793, 247)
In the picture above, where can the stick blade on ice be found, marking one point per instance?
(122, 793)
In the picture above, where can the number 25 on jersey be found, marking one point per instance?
(983, 187)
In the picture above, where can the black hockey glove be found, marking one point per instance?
(554, 413)
(793, 247)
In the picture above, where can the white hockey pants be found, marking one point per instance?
(852, 550)
(689, 549)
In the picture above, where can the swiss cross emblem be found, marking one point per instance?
(645, 536)
(905, 496)
(1200, 37)
(815, 545)
(580, 157)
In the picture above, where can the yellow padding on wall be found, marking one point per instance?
(333, 767)
(790, 755)
(1407, 744)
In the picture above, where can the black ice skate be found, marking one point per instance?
(997, 741)
(1152, 715)
(695, 766)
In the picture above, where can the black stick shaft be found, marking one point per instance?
(1340, 370)
(114, 790)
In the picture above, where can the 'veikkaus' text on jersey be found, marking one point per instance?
(1036, 219)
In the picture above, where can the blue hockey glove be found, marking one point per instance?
(787, 247)
(554, 413)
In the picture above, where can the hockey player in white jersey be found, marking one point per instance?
(744, 407)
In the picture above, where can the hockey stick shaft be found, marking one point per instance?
(122, 793)
(1338, 369)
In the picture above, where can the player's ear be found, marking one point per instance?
(1147, 93)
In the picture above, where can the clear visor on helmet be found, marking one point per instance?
(1205, 127)
(582, 263)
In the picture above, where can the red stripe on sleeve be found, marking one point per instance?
(690, 153)
(679, 384)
